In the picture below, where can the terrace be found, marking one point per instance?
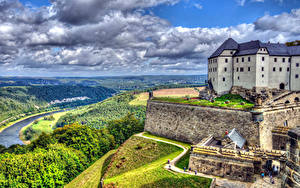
(226, 101)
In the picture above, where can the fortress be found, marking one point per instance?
(265, 74)
(254, 64)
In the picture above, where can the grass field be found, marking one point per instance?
(227, 101)
(90, 178)
(177, 92)
(139, 163)
(33, 131)
(141, 99)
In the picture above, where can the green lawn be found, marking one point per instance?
(184, 161)
(90, 178)
(227, 101)
(34, 130)
(139, 163)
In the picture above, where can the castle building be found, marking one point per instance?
(254, 64)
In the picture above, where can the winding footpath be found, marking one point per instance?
(217, 182)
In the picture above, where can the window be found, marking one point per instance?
(237, 60)
(249, 68)
(225, 69)
(275, 59)
(297, 64)
(226, 60)
(274, 69)
(289, 60)
(288, 69)
(283, 60)
(280, 69)
(297, 76)
(249, 59)
(263, 69)
(242, 59)
(242, 69)
(238, 78)
(231, 52)
(263, 58)
(262, 75)
(223, 79)
(237, 69)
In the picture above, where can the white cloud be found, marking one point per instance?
(241, 2)
(122, 42)
(198, 6)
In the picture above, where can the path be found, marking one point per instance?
(220, 182)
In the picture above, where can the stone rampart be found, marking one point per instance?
(191, 124)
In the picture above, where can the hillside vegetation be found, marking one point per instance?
(139, 163)
(55, 159)
(33, 99)
(98, 115)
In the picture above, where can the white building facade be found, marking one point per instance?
(254, 64)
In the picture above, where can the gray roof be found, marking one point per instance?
(229, 44)
(252, 47)
(237, 138)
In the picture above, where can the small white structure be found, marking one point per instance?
(254, 64)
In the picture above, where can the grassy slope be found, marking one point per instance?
(90, 178)
(184, 161)
(42, 126)
(136, 173)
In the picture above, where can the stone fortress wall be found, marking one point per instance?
(191, 124)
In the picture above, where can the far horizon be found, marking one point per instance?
(46, 39)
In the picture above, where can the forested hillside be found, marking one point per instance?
(98, 115)
(55, 159)
(32, 99)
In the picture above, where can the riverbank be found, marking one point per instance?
(42, 125)
(25, 117)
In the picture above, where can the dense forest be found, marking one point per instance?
(54, 160)
(32, 99)
(98, 115)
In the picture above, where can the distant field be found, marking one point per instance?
(140, 163)
(177, 92)
(141, 99)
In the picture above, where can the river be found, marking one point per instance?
(10, 135)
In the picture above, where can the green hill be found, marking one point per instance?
(32, 99)
(100, 114)
(139, 163)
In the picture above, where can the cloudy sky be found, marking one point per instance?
(132, 37)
